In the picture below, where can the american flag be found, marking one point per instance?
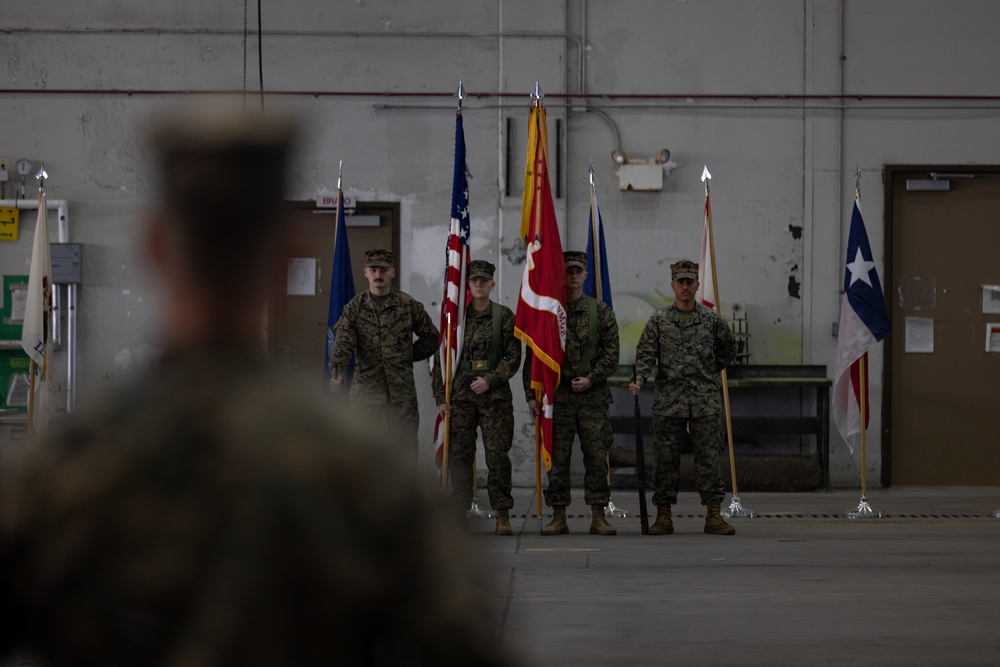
(456, 271)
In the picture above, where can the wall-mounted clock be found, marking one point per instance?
(23, 167)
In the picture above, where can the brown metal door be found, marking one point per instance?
(944, 392)
(297, 322)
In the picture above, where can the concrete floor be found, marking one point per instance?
(797, 585)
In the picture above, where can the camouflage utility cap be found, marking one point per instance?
(480, 268)
(378, 257)
(575, 258)
(684, 269)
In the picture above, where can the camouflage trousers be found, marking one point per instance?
(496, 421)
(401, 420)
(669, 435)
(593, 425)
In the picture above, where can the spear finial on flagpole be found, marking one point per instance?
(340, 175)
(41, 176)
(857, 181)
(735, 509)
(460, 94)
(591, 170)
(536, 95)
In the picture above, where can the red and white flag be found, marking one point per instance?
(706, 284)
(540, 321)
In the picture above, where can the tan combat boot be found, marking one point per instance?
(715, 524)
(558, 525)
(598, 523)
(503, 523)
(664, 524)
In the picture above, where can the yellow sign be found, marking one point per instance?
(8, 223)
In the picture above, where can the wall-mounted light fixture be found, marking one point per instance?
(644, 174)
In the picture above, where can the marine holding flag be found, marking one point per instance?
(689, 344)
(481, 397)
(581, 401)
(864, 322)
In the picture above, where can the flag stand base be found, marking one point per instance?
(864, 511)
(477, 512)
(736, 510)
(614, 510)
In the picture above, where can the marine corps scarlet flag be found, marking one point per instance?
(540, 321)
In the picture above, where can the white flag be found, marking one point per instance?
(706, 283)
(34, 338)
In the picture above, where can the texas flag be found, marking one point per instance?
(864, 322)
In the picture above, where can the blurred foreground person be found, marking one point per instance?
(209, 513)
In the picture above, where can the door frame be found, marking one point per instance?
(889, 173)
(390, 209)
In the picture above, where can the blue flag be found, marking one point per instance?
(341, 287)
(598, 282)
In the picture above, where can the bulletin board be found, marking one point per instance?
(14, 362)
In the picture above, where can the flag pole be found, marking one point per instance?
(863, 372)
(735, 509)
(447, 365)
(33, 366)
(475, 511)
(340, 203)
(599, 291)
(536, 101)
(611, 509)
(447, 410)
(538, 460)
(863, 510)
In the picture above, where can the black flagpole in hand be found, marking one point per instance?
(640, 468)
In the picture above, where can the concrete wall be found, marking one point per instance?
(751, 88)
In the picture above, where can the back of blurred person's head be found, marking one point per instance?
(216, 227)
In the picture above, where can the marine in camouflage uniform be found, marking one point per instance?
(690, 344)
(581, 401)
(481, 397)
(378, 327)
(210, 512)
